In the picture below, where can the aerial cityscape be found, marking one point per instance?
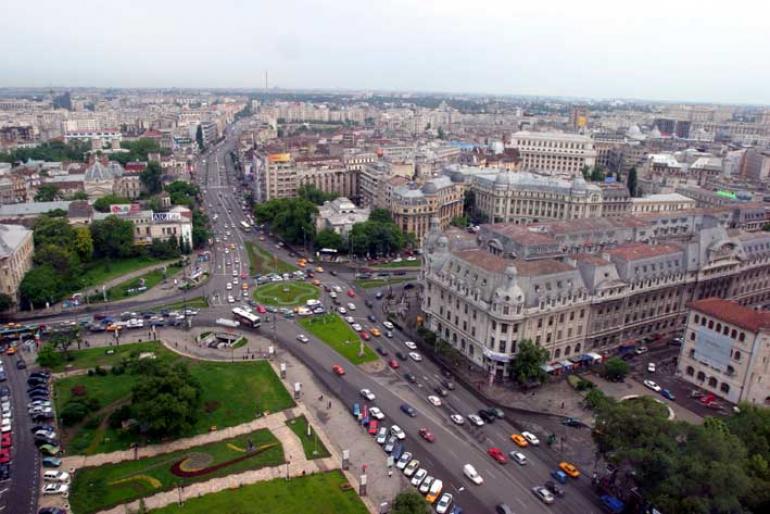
(410, 258)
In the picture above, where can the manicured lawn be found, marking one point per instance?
(92, 357)
(106, 269)
(402, 264)
(285, 294)
(198, 302)
(320, 493)
(381, 282)
(333, 330)
(102, 487)
(261, 261)
(241, 341)
(233, 393)
(151, 279)
(314, 448)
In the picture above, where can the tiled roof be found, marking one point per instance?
(484, 260)
(733, 313)
(541, 267)
(633, 251)
(591, 259)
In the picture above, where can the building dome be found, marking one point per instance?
(503, 179)
(429, 188)
(98, 172)
(579, 183)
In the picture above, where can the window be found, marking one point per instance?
(690, 371)
(725, 388)
(737, 355)
(712, 382)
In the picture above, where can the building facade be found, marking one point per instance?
(16, 250)
(554, 153)
(414, 207)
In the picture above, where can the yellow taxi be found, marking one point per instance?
(319, 269)
(10, 351)
(301, 264)
(569, 469)
(375, 332)
(316, 282)
(519, 440)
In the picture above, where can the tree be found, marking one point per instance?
(41, 284)
(410, 502)
(527, 367)
(152, 178)
(597, 174)
(47, 193)
(200, 231)
(62, 343)
(182, 193)
(6, 302)
(54, 231)
(49, 151)
(103, 204)
(380, 215)
(459, 221)
(616, 369)
(291, 218)
(48, 357)
(752, 426)
(73, 412)
(199, 137)
(311, 193)
(80, 195)
(84, 244)
(63, 260)
(113, 238)
(632, 185)
(168, 401)
(328, 238)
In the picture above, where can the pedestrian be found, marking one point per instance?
(390, 472)
(329, 405)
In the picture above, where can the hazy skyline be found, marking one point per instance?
(662, 50)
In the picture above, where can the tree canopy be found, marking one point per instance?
(290, 218)
(616, 369)
(328, 238)
(152, 178)
(632, 183)
(527, 366)
(54, 151)
(138, 150)
(113, 238)
(410, 502)
(47, 193)
(315, 195)
(182, 193)
(103, 204)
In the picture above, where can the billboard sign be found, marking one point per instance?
(165, 217)
(713, 349)
(120, 209)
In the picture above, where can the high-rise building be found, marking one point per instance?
(554, 153)
(578, 117)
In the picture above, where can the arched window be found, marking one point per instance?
(725, 388)
(719, 327)
(701, 376)
(737, 355)
(567, 350)
(712, 382)
(690, 371)
(577, 347)
(711, 323)
(557, 354)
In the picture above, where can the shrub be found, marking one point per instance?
(73, 413)
(120, 415)
(93, 404)
(118, 369)
(79, 390)
(584, 384)
(93, 422)
(100, 372)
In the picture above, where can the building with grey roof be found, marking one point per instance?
(16, 250)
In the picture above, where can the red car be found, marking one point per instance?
(351, 293)
(427, 435)
(364, 335)
(338, 370)
(374, 426)
(261, 309)
(498, 455)
(5, 455)
(393, 363)
(6, 441)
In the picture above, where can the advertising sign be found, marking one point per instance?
(163, 217)
(713, 349)
(120, 209)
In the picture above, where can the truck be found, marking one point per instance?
(228, 323)
(435, 491)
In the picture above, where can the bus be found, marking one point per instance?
(245, 226)
(247, 318)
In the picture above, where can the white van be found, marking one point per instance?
(312, 303)
(434, 491)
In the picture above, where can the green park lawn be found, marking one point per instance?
(402, 264)
(151, 279)
(333, 330)
(370, 283)
(321, 493)
(233, 393)
(197, 302)
(99, 356)
(285, 294)
(261, 261)
(102, 487)
(314, 447)
(104, 270)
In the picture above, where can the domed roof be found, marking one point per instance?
(579, 183)
(429, 188)
(503, 178)
(98, 172)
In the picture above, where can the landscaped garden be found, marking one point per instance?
(321, 493)
(369, 283)
(333, 330)
(285, 294)
(138, 285)
(261, 261)
(314, 448)
(102, 487)
(231, 394)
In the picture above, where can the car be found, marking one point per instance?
(448, 384)
(425, 485)
(531, 438)
(457, 419)
(45, 433)
(5, 472)
(405, 459)
(419, 476)
(520, 440)
(261, 309)
(416, 357)
(434, 400)
(302, 338)
(518, 457)
(338, 370)
(368, 394)
(410, 344)
(10, 351)
(401, 356)
(54, 488)
(651, 367)
(376, 413)
(487, 416)
(570, 469)
(350, 319)
(410, 377)
(373, 427)
(666, 393)
(408, 410)
(351, 306)
(21, 364)
(572, 422)
(441, 391)
(375, 332)
(641, 350)
(397, 432)
(56, 476)
(382, 436)
(427, 435)
(371, 318)
(410, 468)
(382, 351)
(379, 295)
(543, 494)
(351, 293)
(443, 504)
(342, 310)
(356, 327)
(498, 455)
(51, 510)
(393, 363)
(559, 476)
(368, 303)
(473, 475)
(6, 441)
(475, 420)
(652, 385)
(389, 334)
(554, 488)
(503, 508)
(51, 462)
(364, 335)
(388, 325)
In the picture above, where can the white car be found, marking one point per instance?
(342, 310)
(531, 438)
(350, 319)
(229, 286)
(442, 507)
(518, 457)
(543, 494)
(382, 436)
(356, 327)
(426, 483)
(56, 476)
(419, 476)
(434, 400)
(476, 420)
(54, 488)
(457, 419)
(388, 325)
(652, 385)
(302, 338)
(398, 432)
(376, 413)
(410, 468)
(416, 357)
(651, 367)
(352, 306)
(405, 459)
(473, 475)
(410, 345)
(368, 394)
(230, 299)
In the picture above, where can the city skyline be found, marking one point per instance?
(593, 50)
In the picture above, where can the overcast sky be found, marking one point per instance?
(655, 49)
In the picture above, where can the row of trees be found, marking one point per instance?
(291, 218)
(49, 151)
(315, 195)
(138, 150)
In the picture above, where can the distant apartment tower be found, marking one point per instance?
(757, 164)
(554, 153)
(578, 117)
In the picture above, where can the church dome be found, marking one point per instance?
(98, 172)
